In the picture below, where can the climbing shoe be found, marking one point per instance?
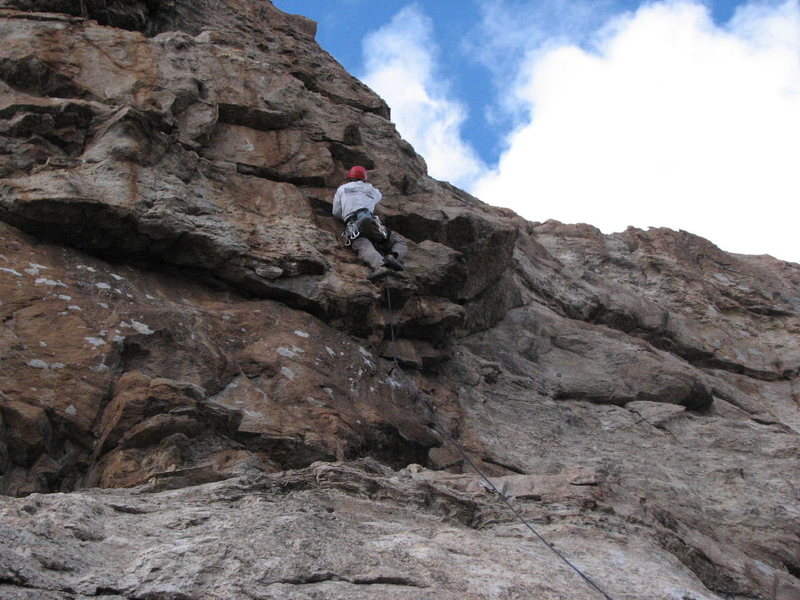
(393, 262)
(378, 274)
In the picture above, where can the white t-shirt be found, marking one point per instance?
(353, 196)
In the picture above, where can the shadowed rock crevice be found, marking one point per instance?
(694, 397)
(40, 451)
(732, 367)
(386, 444)
(263, 120)
(311, 83)
(55, 128)
(376, 580)
(30, 74)
(348, 155)
(111, 232)
(139, 15)
(276, 175)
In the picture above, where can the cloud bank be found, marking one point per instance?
(400, 64)
(659, 118)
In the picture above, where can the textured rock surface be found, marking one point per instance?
(331, 531)
(178, 310)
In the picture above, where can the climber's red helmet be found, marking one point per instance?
(357, 173)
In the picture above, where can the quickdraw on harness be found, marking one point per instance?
(351, 230)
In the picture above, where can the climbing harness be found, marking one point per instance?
(352, 231)
(487, 483)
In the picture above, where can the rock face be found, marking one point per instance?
(192, 355)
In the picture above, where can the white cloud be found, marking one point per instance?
(400, 66)
(671, 121)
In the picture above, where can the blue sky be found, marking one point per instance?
(675, 113)
(457, 30)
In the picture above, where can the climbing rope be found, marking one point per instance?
(442, 430)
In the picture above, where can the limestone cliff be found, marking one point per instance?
(182, 323)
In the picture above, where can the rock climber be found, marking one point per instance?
(376, 245)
